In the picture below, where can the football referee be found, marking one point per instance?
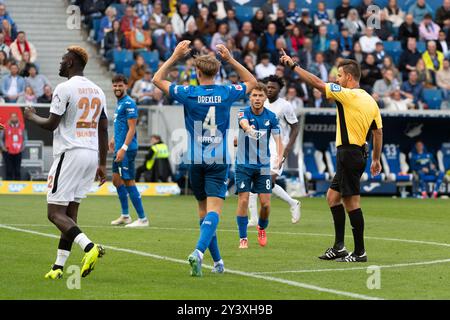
(357, 114)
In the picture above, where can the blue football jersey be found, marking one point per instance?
(254, 152)
(207, 119)
(126, 109)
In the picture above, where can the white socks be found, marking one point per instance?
(283, 195)
(82, 240)
(253, 206)
(61, 257)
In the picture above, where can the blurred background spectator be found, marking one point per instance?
(12, 143)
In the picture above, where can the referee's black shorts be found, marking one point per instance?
(350, 165)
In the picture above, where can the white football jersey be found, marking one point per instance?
(80, 102)
(285, 113)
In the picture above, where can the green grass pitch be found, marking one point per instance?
(408, 238)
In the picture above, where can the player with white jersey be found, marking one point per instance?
(80, 145)
(289, 130)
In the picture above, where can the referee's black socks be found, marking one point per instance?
(339, 225)
(357, 222)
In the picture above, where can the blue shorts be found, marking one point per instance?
(253, 180)
(126, 168)
(208, 180)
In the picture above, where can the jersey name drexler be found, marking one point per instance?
(80, 102)
(285, 113)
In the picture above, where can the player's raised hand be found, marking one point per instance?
(285, 59)
(29, 112)
(101, 175)
(182, 49)
(223, 52)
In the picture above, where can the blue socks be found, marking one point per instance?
(263, 223)
(137, 201)
(242, 225)
(213, 246)
(207, 230)
(438, 183)
(123, 197)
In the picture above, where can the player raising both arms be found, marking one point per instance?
(289, 131)
(207, 119)
(257, 125)
(80, 145)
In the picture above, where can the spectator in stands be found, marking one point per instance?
(128, 21)
(295, 40)
(47, 96)
(120, 8)
(306, 24)
(412, 89)
(270, 9)
(332, 53)
(265, 68)
(192, 32)
(252, 50)
(426, 76)
(293, 97)
(219, 9)
(368, 41)
(345, 43)
(432, 57)
(280, 44)
(321, 41)
(317, 100)
(319, 68)
(409, 57)
(259, 23)
(232, 22)
(363, 11)
(419, 10)
(106, 22)
(220, 37)
(443, 15)
(3, 46)
(428, 30)
(114, 40)
(321, 15)
(245, 35)
(4, 65)
(235, 52)
(408, 29)
(206, 23)
(292, 14)
(137, 70)
(249, 64)
(36, 81)
(369, 73)
(342, 11)
(92, 9)
(28, 97)
(354, 24)
(423, 164)
(268, 40)
(21, 45)
(281, 22)
(379, 54)
(386, 31)
(394, 13)
(8, 34)
(233, 78)
(189, 74)
(13, 85)
(306, 54)
(197, 7)
(396, 102)
(140, 39)
(357, 53)
(388, 64)
(143, 9)
(145, 92)
(25, 65)
(384, 87)
(166, 42)
(157, 166)
(12, 142)
(443, 44)
(160, 18)
(4, 15)
(181, 19)
(443, 79)
(199, 47)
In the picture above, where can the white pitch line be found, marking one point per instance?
(398, 265)
(442, 244)
(237, 272)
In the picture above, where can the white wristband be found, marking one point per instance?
(124, 147)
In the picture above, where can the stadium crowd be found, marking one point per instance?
(404, 59)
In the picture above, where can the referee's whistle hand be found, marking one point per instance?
(375, 168)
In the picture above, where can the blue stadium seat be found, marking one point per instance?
(151, 58)
(314, 165)
(421, 46)
(126, 71)
(330, 157)
(96, 28)
(443, 157)
(333, 31)
(393, 47)
(394, 164)
(244, 13)
(122, 59)
(188, 2)
(433, 98)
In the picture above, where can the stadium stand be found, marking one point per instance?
(314, 164)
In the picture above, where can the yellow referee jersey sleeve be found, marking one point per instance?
(357, 113)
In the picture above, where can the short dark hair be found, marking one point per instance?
(119, 78)
(352, 67)
(274, 78)
(260, 87)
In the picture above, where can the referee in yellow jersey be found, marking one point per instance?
(357, 114)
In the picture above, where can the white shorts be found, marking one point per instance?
(71, 176)
(274, 160)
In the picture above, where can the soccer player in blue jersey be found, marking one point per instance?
(257, 124)
(207, 119)
(124, 145)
